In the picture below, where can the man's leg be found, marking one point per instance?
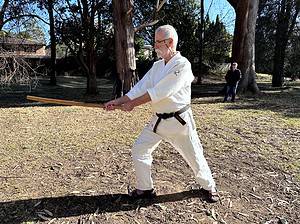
(226, 93)
(142, 158)
(233, 90)
(189, 146)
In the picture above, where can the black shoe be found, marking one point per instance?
(146, 194)
(211, 197)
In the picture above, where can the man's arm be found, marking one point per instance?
(129, 105)
(119, 101)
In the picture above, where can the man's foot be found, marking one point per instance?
(211, 196)
(142, 194)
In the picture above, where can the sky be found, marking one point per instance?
(212, 7)
(223, 9)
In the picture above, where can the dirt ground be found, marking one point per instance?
(61, 164)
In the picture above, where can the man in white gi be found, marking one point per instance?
(168, 86)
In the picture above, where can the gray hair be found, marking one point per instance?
(169, 32)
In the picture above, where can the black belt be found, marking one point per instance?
(169, 115)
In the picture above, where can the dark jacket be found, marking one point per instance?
(232, 77)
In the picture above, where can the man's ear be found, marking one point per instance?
(171, 42)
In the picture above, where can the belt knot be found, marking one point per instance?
(169, 115)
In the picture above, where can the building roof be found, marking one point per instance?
(19, 41)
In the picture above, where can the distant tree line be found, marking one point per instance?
(278, 39)
(106, 36)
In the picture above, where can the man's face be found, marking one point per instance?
(234, 66)
(161, 45)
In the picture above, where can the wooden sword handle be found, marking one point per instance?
(66, 102)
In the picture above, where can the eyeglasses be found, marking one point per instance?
(160, 41)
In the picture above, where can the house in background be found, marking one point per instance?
(12, 46)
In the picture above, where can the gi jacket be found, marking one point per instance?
(169, 85)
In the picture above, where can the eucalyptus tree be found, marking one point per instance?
(217, 42)
(78, 27)
(277, 37)
(288, 11)
(14, 11)
(49, 6)
(244, 42)
(124, 33)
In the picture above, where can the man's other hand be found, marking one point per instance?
(128, 106)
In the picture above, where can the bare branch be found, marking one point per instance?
(145, 25)
(151, 23)
(160, 5)
(26, 15)
(16, 71)
(2, 12)
(209, 8)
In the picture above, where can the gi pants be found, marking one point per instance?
(185, 140)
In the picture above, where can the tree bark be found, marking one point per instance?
(89, 32)
(244, 41)
(53, 43)
(124, 44)
(285, 25)
(199, 80)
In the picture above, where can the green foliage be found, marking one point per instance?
(217, 42)
(31, 30)
(184, 16)
(293, 53)
(265, 39)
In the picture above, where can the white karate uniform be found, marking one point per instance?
(169, 87)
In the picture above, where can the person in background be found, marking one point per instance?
(232, 78)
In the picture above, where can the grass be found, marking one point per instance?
(57, 151)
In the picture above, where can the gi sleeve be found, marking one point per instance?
(141, 87)
(178, 77)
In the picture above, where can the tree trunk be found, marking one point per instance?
(91, 61)
(124, 44)
(284, 23)
(53, 43)
(89, 46)
(244, 42)
(199, 80)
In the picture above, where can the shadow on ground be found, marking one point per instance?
(27, 210)
(284, 100)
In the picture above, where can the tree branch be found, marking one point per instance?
(159, 6)
(294, 20)
(151, 23)
(26, 15)
(2, 11)
(136, 29)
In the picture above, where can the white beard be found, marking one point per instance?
(158, 53)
